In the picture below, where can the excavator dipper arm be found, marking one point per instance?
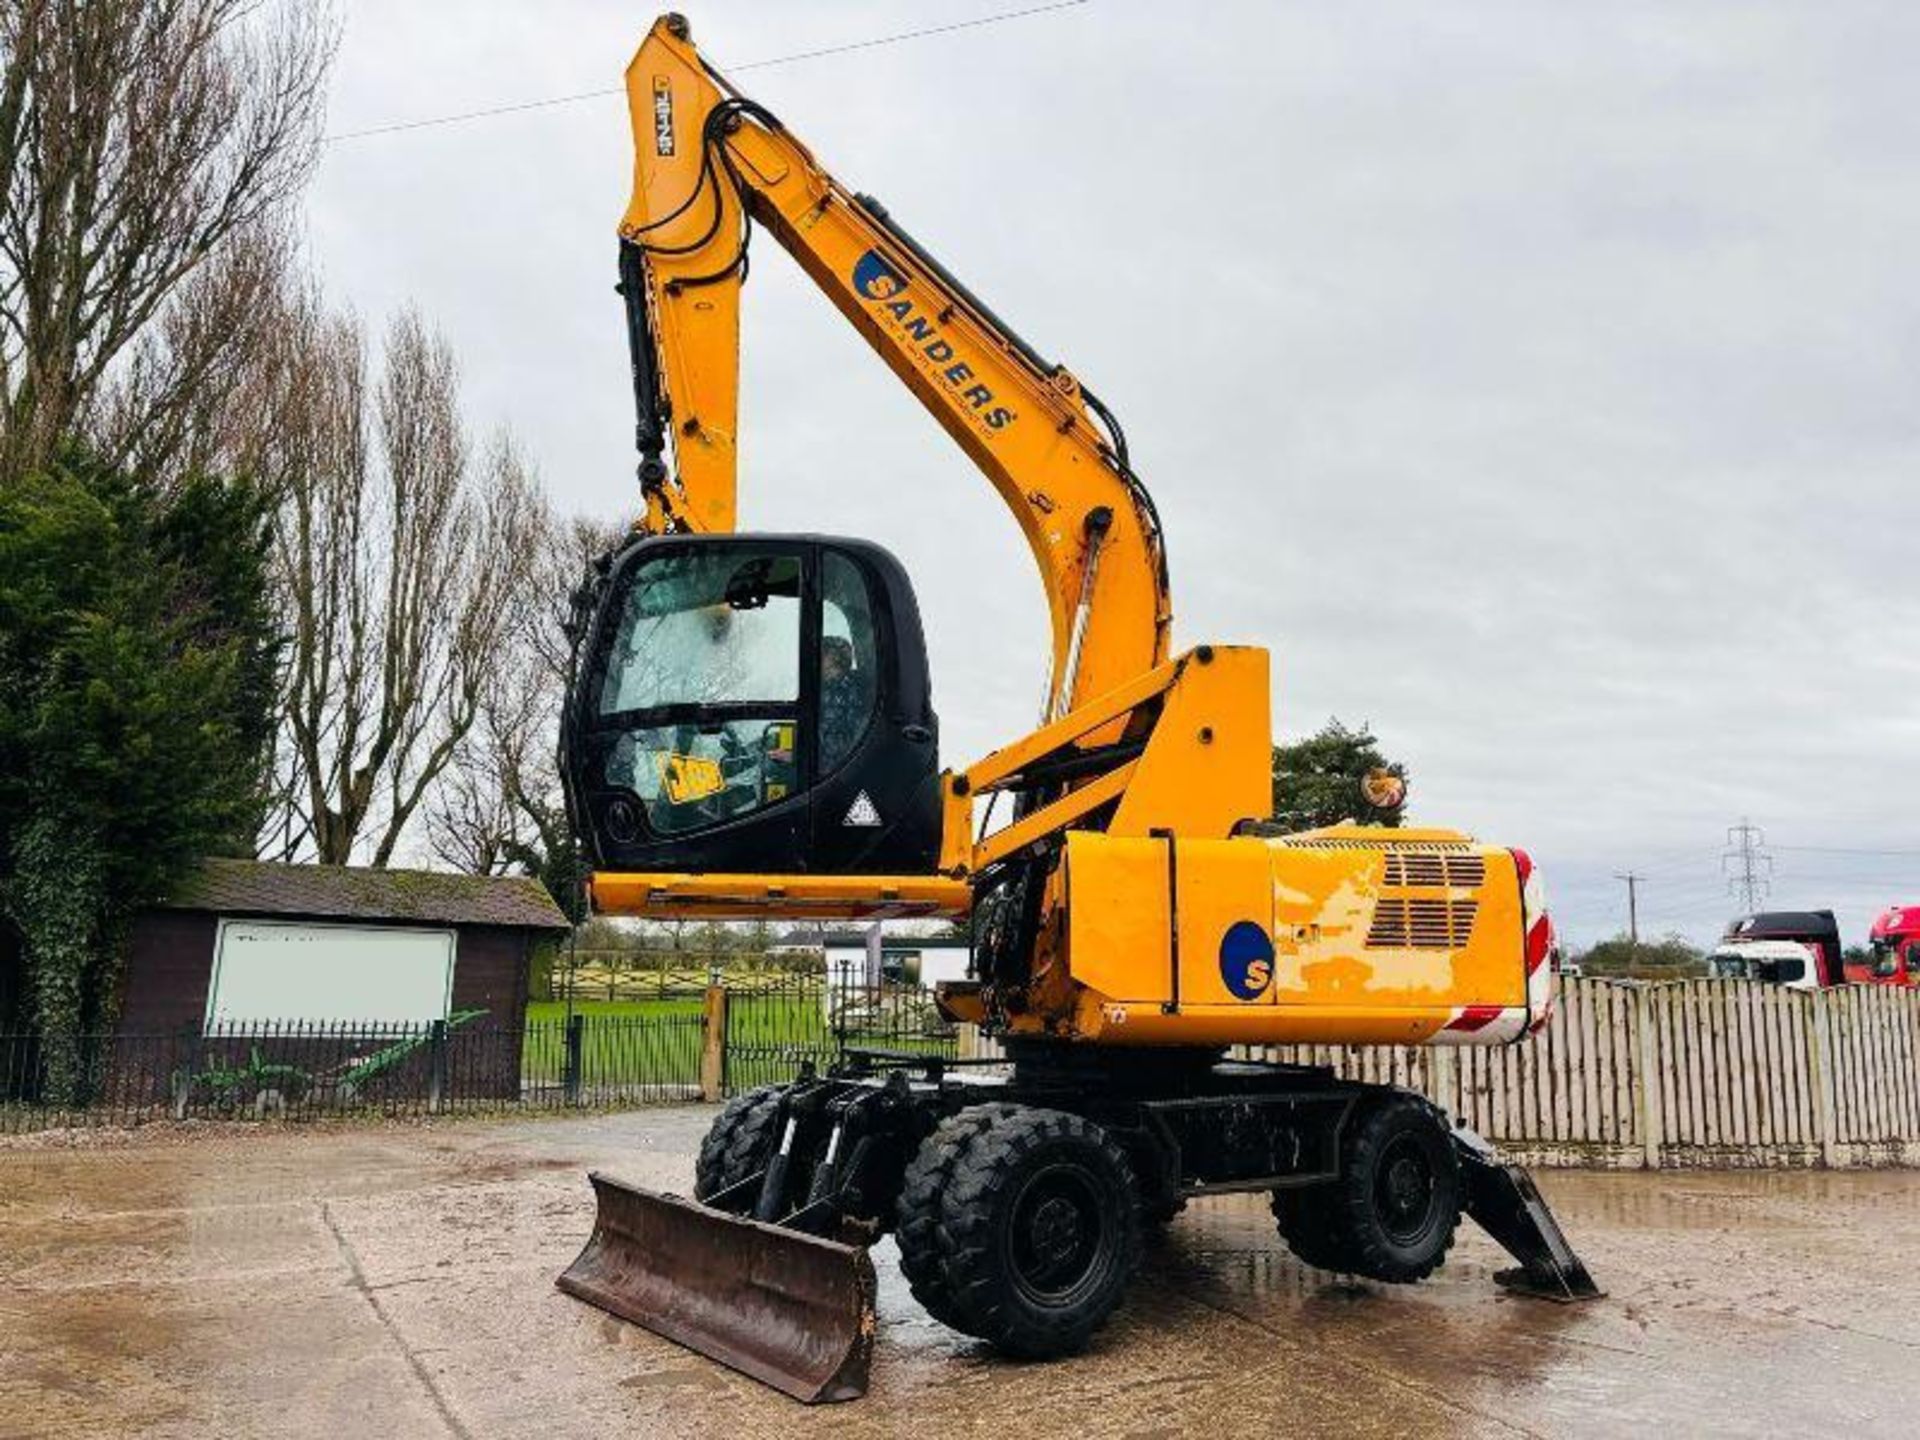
(710, 165)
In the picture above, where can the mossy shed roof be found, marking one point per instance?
(346, 892)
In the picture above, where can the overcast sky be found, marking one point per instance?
(1538, 382)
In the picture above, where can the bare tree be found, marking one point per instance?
(477, 818)
(500, 806)
(398, 562)
(138, 138)
(186, 393)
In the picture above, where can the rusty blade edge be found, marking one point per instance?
(810, 1384)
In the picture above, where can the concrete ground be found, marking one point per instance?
(399, 1281)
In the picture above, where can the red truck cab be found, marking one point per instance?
(1893, 949)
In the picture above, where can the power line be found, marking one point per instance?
(946, 29)
(1845, 850)
(1709, 896)
(402, 125)
(550, 102)
(1693, 860)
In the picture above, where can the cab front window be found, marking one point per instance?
(703, 678)
(715, 627)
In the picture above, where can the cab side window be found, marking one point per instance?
(849, 659)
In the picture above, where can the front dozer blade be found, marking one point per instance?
(1506, 1203)
(792, 1310)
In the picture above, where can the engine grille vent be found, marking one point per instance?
(1392, 847)
(1407, 924)
(1466, 872)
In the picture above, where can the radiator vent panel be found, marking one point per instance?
(1404, 923)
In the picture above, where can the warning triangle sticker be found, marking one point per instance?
(861, 812)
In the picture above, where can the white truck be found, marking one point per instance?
(1778, 962)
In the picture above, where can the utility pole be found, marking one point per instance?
(1748, 866)
(1633, 907)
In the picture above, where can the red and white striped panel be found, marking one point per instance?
(1498, 1024)
(1538, 925)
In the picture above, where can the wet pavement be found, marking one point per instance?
(399, 1281)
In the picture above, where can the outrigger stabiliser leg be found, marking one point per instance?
(1503, 1201)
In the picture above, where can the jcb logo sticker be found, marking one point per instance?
(662, 116)
(690, 777)
(1246, 959)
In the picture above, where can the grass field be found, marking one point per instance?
(628, 1042)
(658, 1042)
(554, 1012)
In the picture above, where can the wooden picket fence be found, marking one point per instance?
(1683, 1073)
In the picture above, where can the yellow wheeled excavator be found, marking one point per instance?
(750, 733)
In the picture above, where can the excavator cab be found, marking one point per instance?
(754, 704)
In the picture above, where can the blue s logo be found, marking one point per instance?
(1246, 959)
(875, 278)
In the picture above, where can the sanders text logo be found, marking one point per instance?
(877, 279)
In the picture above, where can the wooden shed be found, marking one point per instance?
(347, 944)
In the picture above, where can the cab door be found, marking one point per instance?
(690, 715)
(754, 705)
(876, 802)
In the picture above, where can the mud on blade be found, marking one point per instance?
(793, 1311)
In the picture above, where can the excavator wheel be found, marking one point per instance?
(1392, 1214)
(917, 1216)
(1038, 1231)
(739, 1143)
(1302, 1215)
(1163, 1210)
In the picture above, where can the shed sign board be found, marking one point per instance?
(277, 971)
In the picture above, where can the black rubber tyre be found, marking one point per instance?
(1162, 1210)
(739, 1143)
(917, 1215)
(1303, 1218)
(1039, 1231)
(1392, 1214)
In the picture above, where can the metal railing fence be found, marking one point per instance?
(678, 1043)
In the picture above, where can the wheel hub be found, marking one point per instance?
(1056, 1235)
(1056, 1231)
(1405, 1191)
